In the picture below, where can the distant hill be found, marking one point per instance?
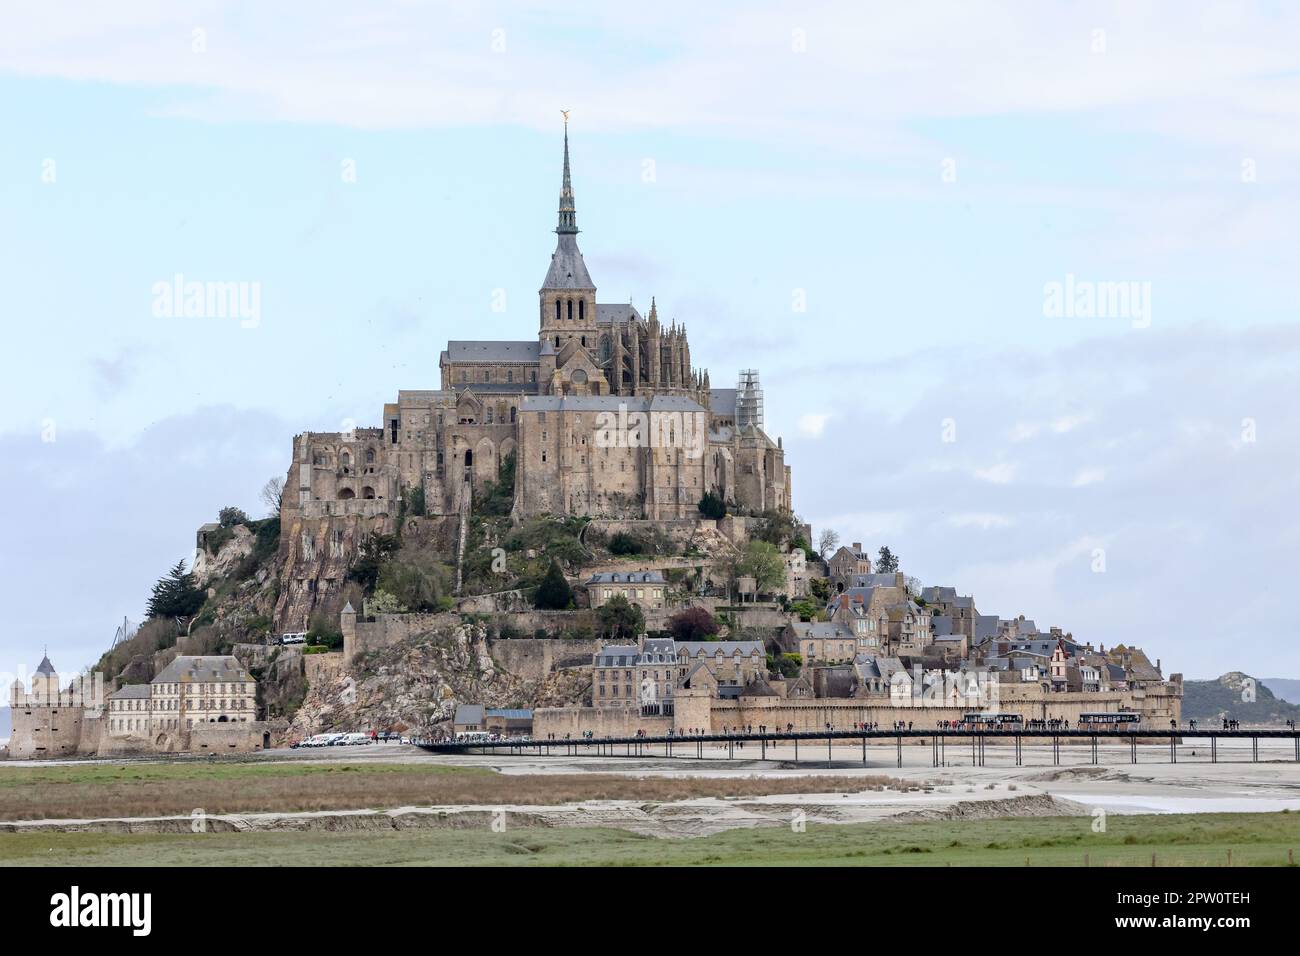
(1212, 700)
(1285, 688)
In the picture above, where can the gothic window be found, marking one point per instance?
(510, 375)
(370, 456)
(570, 310)
(512, 414)
(584, 341)
(557, 312)
(532, 375)
(582, 312)
(557, 338)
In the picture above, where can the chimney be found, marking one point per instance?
(857, 547)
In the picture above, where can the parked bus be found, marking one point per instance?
(977, 721)
(1108, 721)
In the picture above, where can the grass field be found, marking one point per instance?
(163, 789)
(1196, 840)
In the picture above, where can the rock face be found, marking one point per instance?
(315, 554)
(417, 684)
(209, 567)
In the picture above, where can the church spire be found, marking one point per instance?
(568, 224)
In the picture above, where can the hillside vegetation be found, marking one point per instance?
(1213, 700)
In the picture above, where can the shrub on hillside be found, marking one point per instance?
(625, 543)
(711, 506)
(693, 624)
(554, 593)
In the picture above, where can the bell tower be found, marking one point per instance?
(567, 296)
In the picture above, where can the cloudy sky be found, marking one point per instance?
(880, 206)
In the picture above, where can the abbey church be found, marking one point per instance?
(603, 413)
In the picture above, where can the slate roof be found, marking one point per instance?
(609, 403)
(887, 580)
(203, 669)
(617, 655)
(607, 313)
(722, 401)
(45, 667)
(627, 577)
(567, 270)
(131, 692)
(727, 648)
(658, 650)
(823, 630)
(492, 351)
(509, 713)
(469, 714)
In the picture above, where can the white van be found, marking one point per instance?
(294, 637)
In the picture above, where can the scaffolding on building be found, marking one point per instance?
(749, 399)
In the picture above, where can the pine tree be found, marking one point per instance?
(175, 594)
(886, 561)
(554, 593)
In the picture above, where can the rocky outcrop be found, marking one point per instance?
(237, 545)
(417, 684)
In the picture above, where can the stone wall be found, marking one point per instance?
(533, 659)
(47, 731)
(323, 668)
(601, 721)
(1158, 704)
(227, 738)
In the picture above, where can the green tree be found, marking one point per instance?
(230, 516)
(624, 543)
(693, 624)
(416, 586)
(372, 554)
(787, 665)
(807, 609)
(498, 497)
(886, 561)
(175, 594)
(554, 593)
(711, 506)
(820, 588)
(620, 619)
(763, 562)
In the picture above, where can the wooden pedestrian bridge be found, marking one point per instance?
(811, 745)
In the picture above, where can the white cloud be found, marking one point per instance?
(983, 521)
(1190, 508)
(1000, 474)
(813, 425)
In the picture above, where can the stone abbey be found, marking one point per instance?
(603, 414)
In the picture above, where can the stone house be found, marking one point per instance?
(645, 589)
